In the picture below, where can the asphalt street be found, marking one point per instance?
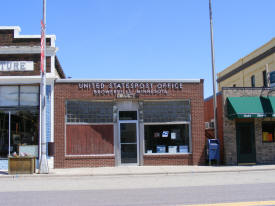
(160, 190)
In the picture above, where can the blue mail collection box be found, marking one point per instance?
(213, 149)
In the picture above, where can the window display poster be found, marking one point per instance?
(156, 134)
(173, 135)
(161, 149)
(183, 149)
(172, 149)
(165, 133)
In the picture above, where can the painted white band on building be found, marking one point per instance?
(13, 66)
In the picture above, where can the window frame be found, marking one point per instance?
(169, 123)
(252, 78)
(19, 96)
(77, 120)
(273, 130)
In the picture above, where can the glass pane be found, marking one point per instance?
(24, 131)
(166, 138)
(4, 134)
(29, 95)
(168, 111)
(127, 115)
(89, 112)
(128, 153)
(268, 131)
(8, 96)
(128, 133)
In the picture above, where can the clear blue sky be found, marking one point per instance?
(146, 39)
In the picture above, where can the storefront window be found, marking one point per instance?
(29, 96)
(14, 96)
(89, 112)
(166, 111)
(9, 96)
(24, 129)
(268, 129)
(4, 134)
(170, 138)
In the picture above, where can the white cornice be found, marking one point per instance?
(51, 51)
(129, 80)
(17, 31)
(15, 28)
(12, 80)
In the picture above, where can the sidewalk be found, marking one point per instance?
(143, 170)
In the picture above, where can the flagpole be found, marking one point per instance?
(43, 164)
(213, 73)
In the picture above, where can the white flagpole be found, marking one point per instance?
(213, 73)
(43, 166)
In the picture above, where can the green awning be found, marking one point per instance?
(271, 113)
(246, 107)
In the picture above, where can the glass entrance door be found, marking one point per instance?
(128, 142)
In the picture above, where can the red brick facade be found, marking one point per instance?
(25, 57)
(7, 39)
(184, 159)
(71, 91)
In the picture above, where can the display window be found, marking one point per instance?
(268, 129)
(18, 96)
(167, 138)
(19, 132)
(19, 120)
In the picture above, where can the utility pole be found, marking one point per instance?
(43, 164)
(213, 73)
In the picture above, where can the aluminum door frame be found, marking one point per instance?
(137, 141)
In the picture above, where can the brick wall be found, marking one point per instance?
(190, 91)
(179, 159)
(25, 57)
(7, 39)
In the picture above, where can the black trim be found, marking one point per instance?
(247, 64)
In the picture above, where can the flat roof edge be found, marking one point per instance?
(129, 80)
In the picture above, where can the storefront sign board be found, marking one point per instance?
(16, 66)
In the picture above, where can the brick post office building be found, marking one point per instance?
(139, 122)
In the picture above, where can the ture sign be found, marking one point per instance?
(129, 89)
(16, 66)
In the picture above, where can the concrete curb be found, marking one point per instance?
(133, 173)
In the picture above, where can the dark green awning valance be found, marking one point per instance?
(250, 107)
(272, 106)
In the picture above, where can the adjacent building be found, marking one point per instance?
(20, 92)
(246, 109)
(251, 70)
